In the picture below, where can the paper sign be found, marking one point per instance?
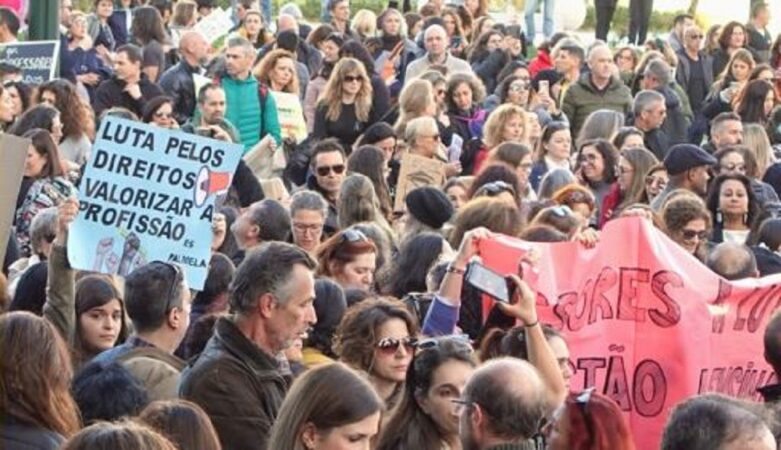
(13, 153)
(199, 81)
(215, 25)
(147, 194)
(417, 171)
(646, 323)
(291, 115)
(38, 60)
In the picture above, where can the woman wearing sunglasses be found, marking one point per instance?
(159, 111)
(349, 258)
(345, 109)
(427, 416)
(588, 421)
(687, 222)
(378, 336)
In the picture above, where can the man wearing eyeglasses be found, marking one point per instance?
(237, 379)
(503, 406)
(158, 303)
(328, 166)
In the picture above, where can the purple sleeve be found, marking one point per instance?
(441, 318)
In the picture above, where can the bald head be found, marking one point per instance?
(287, 22)
(193, 47)
(733, 261)
(435, 40)
(600, 61)
(512, 395)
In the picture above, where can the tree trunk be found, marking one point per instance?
(693, 6)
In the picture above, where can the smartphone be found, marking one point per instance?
(544, 87)
(455, 41)
(489, 282)
(204, 131)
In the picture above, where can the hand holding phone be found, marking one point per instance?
(487, 281)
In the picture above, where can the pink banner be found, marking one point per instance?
(647, 323)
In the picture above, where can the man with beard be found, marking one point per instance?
(503, 405)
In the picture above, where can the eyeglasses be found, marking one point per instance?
(494, 189)
(590, 157)
(350, 78)
(323, 171)
(459, 340)
(390, 346)
(352, 235)
(696, 36)
(518, 87)
(689, 235)
(178, 278)
(304, 227)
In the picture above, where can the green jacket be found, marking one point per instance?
(583, 99)
(253, 118)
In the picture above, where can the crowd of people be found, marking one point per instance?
(335, 315)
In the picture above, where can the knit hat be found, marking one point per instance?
(683, 157)
(329, 304)
(31, 291)
(429, 206)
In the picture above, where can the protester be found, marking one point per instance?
(122, 435)
(183, 423)
(129, 88)
(177, 81)
(107, 392)
(308, 212)
(687, 222)
(734, 208)
(437, 44)
(272, 296)
(687, 166)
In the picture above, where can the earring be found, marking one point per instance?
(745, 219)
(718, 216)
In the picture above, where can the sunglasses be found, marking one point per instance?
(461, 341)
(350, 79)
(325, 170)
(518, 87)
(178, 278)
(351, 235)
(696, 36)
(561, 210)
(390, 346)
(655, 181)
(494, 189)
(691, 234)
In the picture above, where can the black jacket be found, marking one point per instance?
(112, 93)
(239, 386)
(676, 123)
(768, 262)
(177, 82)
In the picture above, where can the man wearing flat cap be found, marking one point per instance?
(687, 166)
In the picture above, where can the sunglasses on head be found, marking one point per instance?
(494, 189)
(178, 278)
(352, 235)
(561, 210)
(323, 171)
(389, 345)
(460, 340)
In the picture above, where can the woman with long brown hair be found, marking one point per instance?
(183, 423)
(345, 109)
(277, 70)
(35, 375)
(148, 31)
(317, 415)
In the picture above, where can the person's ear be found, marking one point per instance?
(309, 436)
(422, 402)
(176, 318)
(266, 305)
(254, 231)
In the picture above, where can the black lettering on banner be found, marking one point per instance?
(737, 381)
(757, 315)
(672, 313)
(740, 311)
(606, 279)
(207, 213)
(124, 134)
(649, 379)
(564, 308)
(590, 366)
(135, 222)
(627, 293)
(616, 385)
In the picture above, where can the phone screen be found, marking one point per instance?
(489, 282)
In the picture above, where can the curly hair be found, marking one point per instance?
(456, 80)
(73, 111)
(331, 97)
(494, 126)
(726, 34)
(263, 70)
(681, 210)
(356, 335)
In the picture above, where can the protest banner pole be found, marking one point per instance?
(44, 20)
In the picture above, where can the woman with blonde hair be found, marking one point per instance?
(35, 376)
(756, 140)
(345, 109)
(277, 70)
(416, 100)
(506, 124)
(316, 415)
(358, 202)
(364, 23)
